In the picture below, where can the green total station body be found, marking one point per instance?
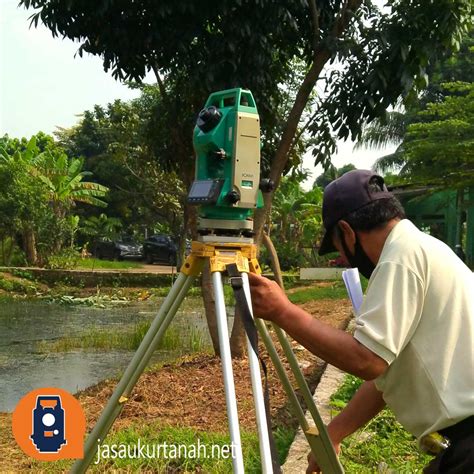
(227, 146)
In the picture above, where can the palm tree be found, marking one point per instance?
(381, 133)
(102, 227)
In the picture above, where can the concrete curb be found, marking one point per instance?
(330, 381)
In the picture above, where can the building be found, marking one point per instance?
(447, 215)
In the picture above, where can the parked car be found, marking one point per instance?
(160, 248)
(117, 249)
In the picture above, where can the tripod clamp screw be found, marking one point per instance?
(236, 282)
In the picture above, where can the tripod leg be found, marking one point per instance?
(319, 442)
(231, 402)
(135, 368)
(262, 422)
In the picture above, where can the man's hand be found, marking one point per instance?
(268, 299)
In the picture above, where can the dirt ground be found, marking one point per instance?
(190, 392)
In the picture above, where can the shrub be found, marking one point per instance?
(66, 259)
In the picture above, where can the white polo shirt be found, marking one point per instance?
(418, 315)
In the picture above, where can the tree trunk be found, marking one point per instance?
(29, 243)
(237, 337)
(280, 160)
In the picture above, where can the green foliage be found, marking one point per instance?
(174, 339)
(434, 133)
(22, 274)
(332, 173)
(439, 149)
(16, 285)
(382, 55)
(40, 185)
(125, 145)
(65, 259)
(91, 263)
(336, 290)
(340, 398)
(154, 434)
(296, 221)
(63, 179)
(383, 439)
(101, 227)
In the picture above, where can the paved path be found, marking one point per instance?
(330, 381)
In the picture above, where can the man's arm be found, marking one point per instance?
(364, 405)
(332, 345)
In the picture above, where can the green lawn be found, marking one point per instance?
(336, 291)
(174, 449)
(94, 263)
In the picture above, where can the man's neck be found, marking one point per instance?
(372, 242)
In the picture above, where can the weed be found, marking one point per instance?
(174, 338)
(22, 274)
(383, 439)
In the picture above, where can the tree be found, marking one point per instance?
(383, 53)
(295, 220)
(331, 173)
(439, 150)
(117, 143)
(436, 139)
(23, 201)
(63, 180)
(39, 188)
(195, 48)
(393, 128)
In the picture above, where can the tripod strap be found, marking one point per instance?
(251, 330)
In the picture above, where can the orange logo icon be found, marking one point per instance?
(49, 424)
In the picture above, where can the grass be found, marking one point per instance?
(105, 339)
(196, 291)
(382, 440)
(174, 449)
(335, 291)
(96, 263)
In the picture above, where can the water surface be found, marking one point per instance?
(25, 324)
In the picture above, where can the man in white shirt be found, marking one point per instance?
(414, 336)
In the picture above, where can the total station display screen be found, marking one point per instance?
(205, 191)
(200, 189)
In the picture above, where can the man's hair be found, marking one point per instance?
(377, 213)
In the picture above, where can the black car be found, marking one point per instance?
(160, 248)
(117, 249)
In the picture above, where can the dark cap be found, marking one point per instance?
(347, 194)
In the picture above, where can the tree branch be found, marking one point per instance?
(161, 85)
(315, 20)
(321, 56)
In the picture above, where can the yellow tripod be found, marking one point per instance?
(221, 251)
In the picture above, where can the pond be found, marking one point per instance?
(28, 327)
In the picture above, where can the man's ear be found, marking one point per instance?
(348, 234)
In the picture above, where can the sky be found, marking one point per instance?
(43, 85)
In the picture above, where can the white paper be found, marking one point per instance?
(354, 288)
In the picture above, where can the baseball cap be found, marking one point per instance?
(347, 194)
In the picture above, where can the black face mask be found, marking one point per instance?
(359, 260)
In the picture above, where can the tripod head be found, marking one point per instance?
(227, 186)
